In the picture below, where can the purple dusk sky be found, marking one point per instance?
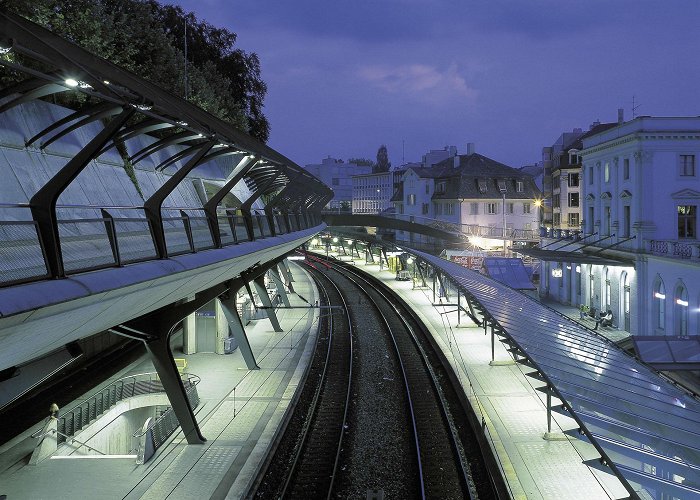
(509, 75)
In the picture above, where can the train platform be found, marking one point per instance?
(534, 463)
(240, 413)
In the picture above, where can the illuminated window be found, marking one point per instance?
(687, 221)
(680, 310)
(659, 309)
(482, 185)
(519, 186)
(607, 172)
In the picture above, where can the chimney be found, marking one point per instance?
(620, 116)
(470, 148)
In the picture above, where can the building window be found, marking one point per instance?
(626, 221)
(591, 219)
(510, 207)
(606, 172)
(626, 169)
(449, 209)
(411, 199)
(557, 219)
(556, 201)
(473, 209)
(501, 185)
(680, 310)
(526, 208)
(491, 208)
(426, 208)
(573, 180)
(687, 166)
(440, 187)
(519, 186)
(659, 299)
(427, 188)
(482, 185)
(437, 208)
(573, 199)
(687, 220)
(573, 219)
(590, 175)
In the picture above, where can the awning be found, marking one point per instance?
(667, 352)
(572, 256)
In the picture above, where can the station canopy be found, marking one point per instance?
(646, 429)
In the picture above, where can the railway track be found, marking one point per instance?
(404, 432)
(308, 454)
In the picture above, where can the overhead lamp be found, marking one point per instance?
(349, 242)
(182, 124)
(143, 106)
(106, 82)
(6, 46)
(84, 85)
(335, 240)
(222, 145)
(71, 82)
(682, 302)
(409, 260)
(659, 295)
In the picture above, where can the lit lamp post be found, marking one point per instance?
(538, 205)
(503, 192)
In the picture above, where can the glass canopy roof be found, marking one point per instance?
(646, 429)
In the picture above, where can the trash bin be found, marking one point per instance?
(230, 345)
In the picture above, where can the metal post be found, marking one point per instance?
(162, 358)
(228, 306)
(549, 409)
(259, 284)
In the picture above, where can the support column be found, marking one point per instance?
(274, 274)
(189, 334)
(159, 350)
(228, 306)
(221, 327)
(259, 284)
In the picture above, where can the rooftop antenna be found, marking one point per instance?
(634, 107)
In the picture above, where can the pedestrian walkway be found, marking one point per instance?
(535, 465)
(240, 413)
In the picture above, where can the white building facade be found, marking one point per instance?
(640, 192)
(472, 190)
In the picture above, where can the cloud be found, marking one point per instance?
(420, 81)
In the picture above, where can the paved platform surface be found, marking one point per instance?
(239, 414)
(514, 413)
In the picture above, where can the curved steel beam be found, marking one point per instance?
(84, 111)
(43, 91)
(388, 223)
(43, 203)
(171, 140)
(244, 166)
(152, 206)
(115, 110)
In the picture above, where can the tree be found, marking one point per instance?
(147, 38)
(383, 164)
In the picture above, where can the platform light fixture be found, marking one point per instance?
(659, 295)
(682, 302)
(71, 82)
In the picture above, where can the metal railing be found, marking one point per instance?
(103, 237)
(65, 438)
(85, 412)
(160, 429)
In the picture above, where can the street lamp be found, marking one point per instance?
(503, 192)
